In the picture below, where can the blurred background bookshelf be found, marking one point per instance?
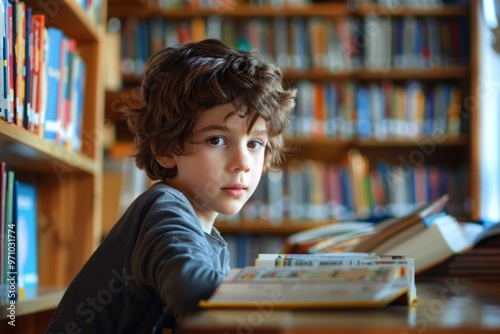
(382, 122)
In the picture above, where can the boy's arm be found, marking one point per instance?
(173, 257)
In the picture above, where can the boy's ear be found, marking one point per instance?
(166, 161)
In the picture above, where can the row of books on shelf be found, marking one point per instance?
(349, 109)
(414, 42)
(218, 4)
(243, 247)
(221, 4)
(409, 3)
(18, 237)
(43, 78)
(297, 43)
(194, 4)
(315, 190)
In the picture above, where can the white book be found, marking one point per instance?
(443, 238)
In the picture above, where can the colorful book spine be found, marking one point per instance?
(52, 122)
(4, 111)
(3, 229)
(10, 241)
(11, 60)
(26, 76)
(20, 56)
(26, 204)
(77, 103)
(37, 28)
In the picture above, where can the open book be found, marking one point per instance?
(355, 281)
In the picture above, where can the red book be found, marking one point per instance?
(37, 28)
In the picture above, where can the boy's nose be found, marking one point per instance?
(239, 160)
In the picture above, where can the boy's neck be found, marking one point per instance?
(206, 224)
(207, 220)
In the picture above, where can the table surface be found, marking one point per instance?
(448, 306)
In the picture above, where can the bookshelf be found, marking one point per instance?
(450, 150)
(68, 182)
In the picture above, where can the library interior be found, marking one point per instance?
(393, 160)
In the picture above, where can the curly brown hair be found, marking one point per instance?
(181, 82)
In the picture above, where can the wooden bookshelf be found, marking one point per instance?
(68, 183)
(24, 150)
(47, 299)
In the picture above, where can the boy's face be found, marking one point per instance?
(223, 167)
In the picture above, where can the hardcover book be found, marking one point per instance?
(26, 203)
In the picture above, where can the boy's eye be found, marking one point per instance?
(217, 141)
(255, 144)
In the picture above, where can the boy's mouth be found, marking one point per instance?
(235, 190)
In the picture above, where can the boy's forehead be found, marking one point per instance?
(224, 114)
(218, 113)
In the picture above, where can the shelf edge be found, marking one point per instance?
(27, 144)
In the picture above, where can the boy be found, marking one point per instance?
(210, 125)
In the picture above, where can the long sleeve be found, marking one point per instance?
(175, 258)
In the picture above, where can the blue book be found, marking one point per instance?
(347, 193)
(429, 113)
(331, 109)
(26, 218)
(363, 113)
(418, 59)
(51, 124)
(299, 44)
(78, 101)
(384, 172)
(398, 43)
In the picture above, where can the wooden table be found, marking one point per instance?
(449, 306)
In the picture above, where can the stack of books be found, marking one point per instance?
(428, 235)
(481, 263)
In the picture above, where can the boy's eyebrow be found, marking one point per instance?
(213, 127)
(225, 128)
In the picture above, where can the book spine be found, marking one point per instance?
(26, 199)
(10, 252)
(3, 229)
(51, 123)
